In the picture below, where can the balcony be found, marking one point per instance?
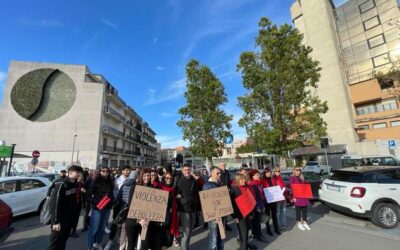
(111, 150)
(112, 131)
(114, 114)
(128, 152)
(132, 125)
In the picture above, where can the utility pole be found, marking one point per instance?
(11, 159)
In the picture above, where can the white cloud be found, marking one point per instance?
(168, 141)
(167, 114)
(160, 68)
(155, 39)
(174, 90)
(41, 22)
(109, 23)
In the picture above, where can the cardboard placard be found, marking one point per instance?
(148, 203)
(216, 203)
(273, 194)
(246, 203)
(302, 190)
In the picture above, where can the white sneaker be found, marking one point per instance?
(300, 226)
(108, 245)
(107, 230)
(306, 226)
(97, 246)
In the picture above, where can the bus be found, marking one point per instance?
(368, 160)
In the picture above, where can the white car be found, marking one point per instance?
(24, 194)
(314, 166)
(366, 191)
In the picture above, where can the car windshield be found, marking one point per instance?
(347, 177)
(312, 163)
(309, 176)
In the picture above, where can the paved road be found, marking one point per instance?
(330, 230)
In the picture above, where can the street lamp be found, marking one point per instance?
(73, 147)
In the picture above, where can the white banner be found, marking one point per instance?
(274, 194)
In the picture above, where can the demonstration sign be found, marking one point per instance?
(216, 203)
(246, 203)
(148, 203)
(273, 194)
(301, 191)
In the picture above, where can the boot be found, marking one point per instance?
(269, 231)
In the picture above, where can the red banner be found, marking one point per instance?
(301, 191)
(246, 203)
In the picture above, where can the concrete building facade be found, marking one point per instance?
(96, 128)
(352, 42)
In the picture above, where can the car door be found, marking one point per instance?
(31, 194)
(8, 193)
(389, 182)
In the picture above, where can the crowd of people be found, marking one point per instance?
(103, 192)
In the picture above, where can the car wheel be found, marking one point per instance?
(386, 215)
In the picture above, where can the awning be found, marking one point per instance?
(313, 151)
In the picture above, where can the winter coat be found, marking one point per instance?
(300, 202)
(100, 188)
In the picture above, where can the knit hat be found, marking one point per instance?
(253, 172)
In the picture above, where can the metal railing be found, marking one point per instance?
(112, 130)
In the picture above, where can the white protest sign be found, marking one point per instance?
(273, 194)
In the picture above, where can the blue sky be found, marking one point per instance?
(141, 47)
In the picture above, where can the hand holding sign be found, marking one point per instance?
(148, 204)
(246, 203)
(273, 194)
(302, 191)
(216, 203)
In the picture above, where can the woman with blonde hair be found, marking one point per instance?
(281, 205)
(301, 204)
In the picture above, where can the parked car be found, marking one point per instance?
(367, 191)
(24, 194)
(310, 177)
(314, 166)
(369, 160)
(6, 215)
(50, 176)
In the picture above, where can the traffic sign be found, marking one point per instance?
(5, 151)
(36, 154)
(392, 143)
(229, 139)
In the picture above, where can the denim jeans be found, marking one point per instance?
(98, 222)
(214, 238)
(281, 212)
(187, 222)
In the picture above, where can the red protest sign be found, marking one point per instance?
(246, 203)
(301, 191)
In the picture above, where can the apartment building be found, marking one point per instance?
(71, 115)
(353, 40)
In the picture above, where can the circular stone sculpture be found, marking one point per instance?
(43, 95)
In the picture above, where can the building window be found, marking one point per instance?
(363, 127)
(371, 23)
(395, 123)
(381, 60)
(104, 144)
(365, 109)
(379, 125)
(115, 146)
(389, 104)
(366, 6)
(386, 105)
(376, 41)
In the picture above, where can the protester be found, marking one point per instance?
(126, 171)
(281, 205)
(188, 203)
(64, 205)
(155, 183)
(240, 187)
(86, 217)
(205, 174)
(225, 181)
(301, 204)
(214, 239)
(134, 227)
(100, 192)
(200, 183)
(255, 184)
(170, 229)
(63, 175)
(80, 200)
(270, 207)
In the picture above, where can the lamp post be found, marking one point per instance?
(73, 147)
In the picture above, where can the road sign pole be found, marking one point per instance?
(11, 159)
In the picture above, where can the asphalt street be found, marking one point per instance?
(330, 230)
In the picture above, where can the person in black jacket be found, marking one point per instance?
(225, 181)
(64, 207)
(100, 189)
(188, 203)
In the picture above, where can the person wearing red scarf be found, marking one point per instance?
(255, 185)
(271, 207)
(281, 205)
(170, 229)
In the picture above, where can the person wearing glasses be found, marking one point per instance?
(270, 208)
(101, 197)
(301, 204)
(281, 205)
(214, 239)
(170, 229)
(187, 194)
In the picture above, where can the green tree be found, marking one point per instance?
(280, 109)
(204, 124)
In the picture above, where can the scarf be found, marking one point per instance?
(174, 225)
